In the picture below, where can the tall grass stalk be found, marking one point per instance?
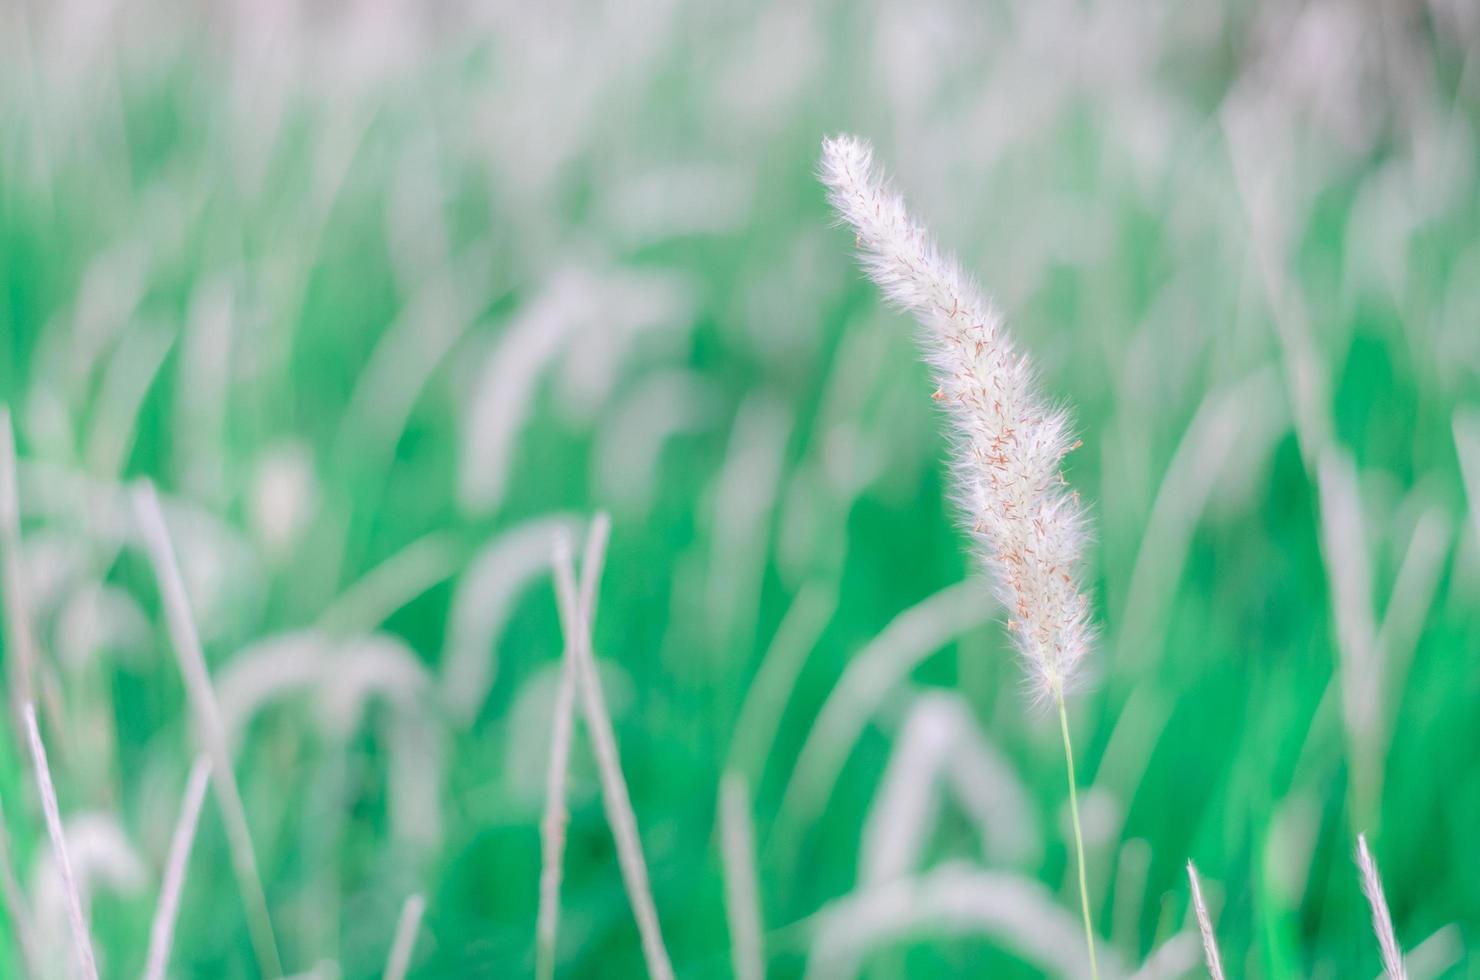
(1089, 927)
(556, 816)
(85, 958)
(1011, 442)
(1205, 925)
(162, 930)
(404, 944)
(192, 663)
(1382, 920)
(617, 801)
(742, 890)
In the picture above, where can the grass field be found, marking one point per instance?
(383, 299)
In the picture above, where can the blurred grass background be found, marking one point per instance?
(375, 282)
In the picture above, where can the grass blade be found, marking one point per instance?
(192, 663)
(742, 891)
(162, 931)
(614, 792)
(556, 817)
(85, 956)
(404, 944)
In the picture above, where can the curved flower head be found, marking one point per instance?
(1010, 442)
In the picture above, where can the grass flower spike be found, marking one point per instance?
(1382, 920)
(1010, 441)
(1205, 925)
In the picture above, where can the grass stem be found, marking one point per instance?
(404, 944)
(192, 663)
(1089, 929)
(86, 960)
(162, 930)
(556, 816)
(615, 796)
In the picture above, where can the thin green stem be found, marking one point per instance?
(1089, 929)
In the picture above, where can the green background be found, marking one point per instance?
(209, 225)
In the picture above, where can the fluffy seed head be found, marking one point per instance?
(1010, 443)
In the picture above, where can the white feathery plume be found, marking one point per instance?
(162, 930)
(59, 845)
(553, 824)
(615, 798)
(1382, 920)
(404, 944)
(192, 663)
(1205, 925)
(1011, 441)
